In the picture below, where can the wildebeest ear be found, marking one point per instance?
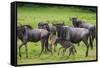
(40, 24)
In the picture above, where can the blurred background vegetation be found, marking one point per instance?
(36, 5)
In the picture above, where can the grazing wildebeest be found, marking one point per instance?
(52, 36)
(82, 24)
(66, 45)
(27, 34)
(74, 35)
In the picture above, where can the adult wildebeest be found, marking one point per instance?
(82, 24)
(27, 34)
(52, 36)
(74, 35)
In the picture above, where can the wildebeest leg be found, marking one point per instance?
(75, 49)
(94, 33)
(42, 47)
(45, 49)
(20, 49)
(93, 38)
(26, 50)
(70, 51)
(91, 42)
(55, 47)
(87, 49)
(85, 40)
(73, 53)
(63, 52)
(50, 45)
(59, 50)
(46, 45)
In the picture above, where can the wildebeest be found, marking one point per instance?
(82, 24)
(74, 35)
(52, 36)
(57, 29)
(28, 34)
(66, 45)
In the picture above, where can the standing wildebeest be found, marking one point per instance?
(52, 36)
(27, 34)
(66, 45)
(74, 35)
(82, 24)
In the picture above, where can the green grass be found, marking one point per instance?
(32, 16)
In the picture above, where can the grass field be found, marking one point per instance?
(32, 16)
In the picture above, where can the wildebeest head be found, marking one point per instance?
(73, 18)
(59, 28)
(75, 21)
(21, 29)
(43, 25)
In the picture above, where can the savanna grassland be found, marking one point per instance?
(31, 15)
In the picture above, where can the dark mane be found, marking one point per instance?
(27, 26)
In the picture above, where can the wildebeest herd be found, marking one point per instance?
(52, 34)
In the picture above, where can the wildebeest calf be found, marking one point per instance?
(52, 36)
(66, 45)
